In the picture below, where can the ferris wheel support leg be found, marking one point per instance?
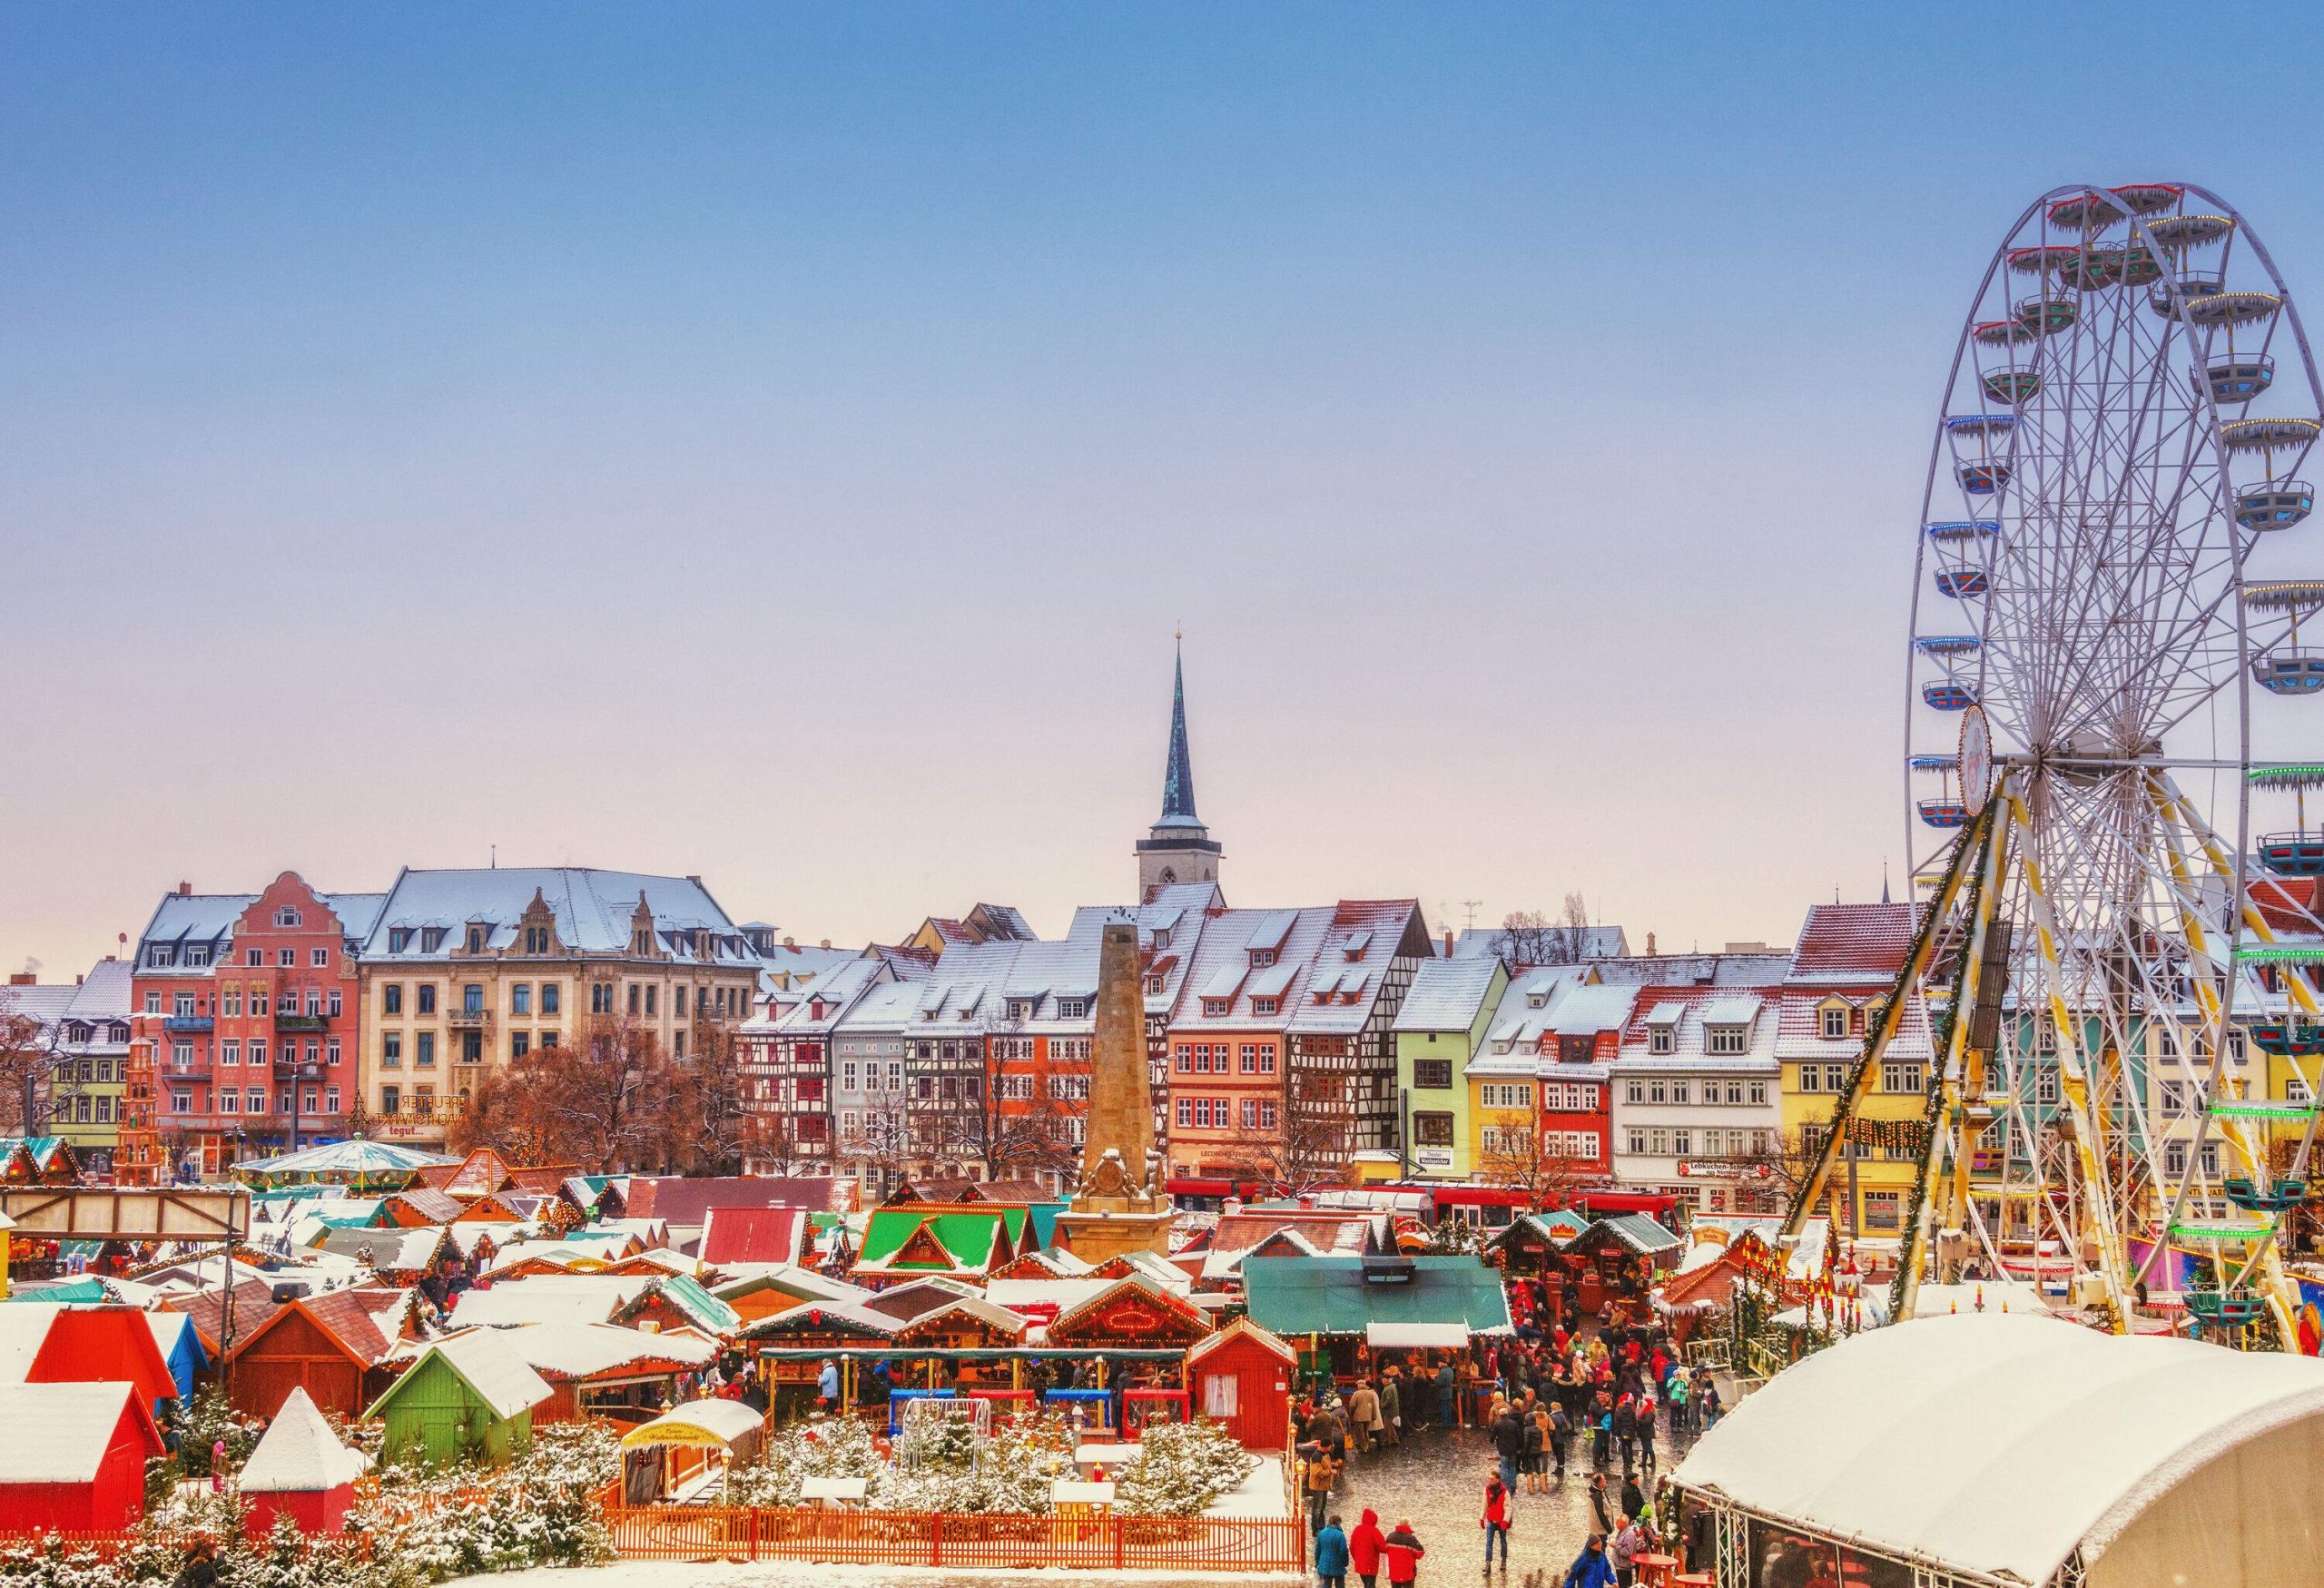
(2073, 1084)
(1875, 1043)
(2267, 1256)
(1947, 1119)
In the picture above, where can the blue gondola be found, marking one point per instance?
(1932, 763)
(1961, 531)
(2289, 672)
(1947, 645)
(1982, 479)
(1944, 813)
(2277, 504)
(2294, 855)
(1946, 695)
(1961, 583)
(2239, 376)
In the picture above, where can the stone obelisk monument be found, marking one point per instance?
(1118, 1205)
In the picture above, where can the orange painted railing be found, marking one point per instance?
(904, 1538)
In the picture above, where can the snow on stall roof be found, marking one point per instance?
(696, 1421)
(298, 1454)
(2051, 1437)
(548, 1299)
(493, 1370)
(58, 1433)
(579, 1350)
(23, 1329)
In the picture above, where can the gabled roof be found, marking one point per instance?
(61, 1433)
(1345, 1296)
(298, 1454)
(395, 1250)
(481, 1359)
(1636, 1231)
(593, 910)
(1134, 1305)
(1242, 1328)
(427, 1204)
(365, 1324)
(254, 1303)
(547, 1298)
(753, 1235)
(699, 1306)
(1849, 942)
(587, 1350)
(1446, 995)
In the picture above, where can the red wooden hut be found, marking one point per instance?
(299, 1470)
(103, 1345)
(330, 1345)
(74, 1457)
(1241, 1376)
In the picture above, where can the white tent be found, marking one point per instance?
(2001, 1446)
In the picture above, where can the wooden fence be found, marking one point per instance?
(902, 1538)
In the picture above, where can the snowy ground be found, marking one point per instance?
(1436, 1480)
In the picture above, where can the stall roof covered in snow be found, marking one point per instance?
(482, 1358)
(548, 1299)
(298, 1454)
(2052, 1438)
(718, 1423)
(584, 1350)
(58, 1433)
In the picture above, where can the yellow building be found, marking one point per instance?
(469, 970)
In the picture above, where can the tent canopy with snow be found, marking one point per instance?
(299, 1470)
(1999, 1448)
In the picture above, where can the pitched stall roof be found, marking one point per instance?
(547, 1298)
(298, 1454)
(678, 1199)
(1345, 1296)
(61, 1433)
(753, 1235)
(483, 1361)
(589, 1350)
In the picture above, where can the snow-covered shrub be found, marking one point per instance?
(839, 1448)
(1180, 1468)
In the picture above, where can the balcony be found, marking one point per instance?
(181, 1025)
(294, 1072)
(288, 1022)
(468, 1020)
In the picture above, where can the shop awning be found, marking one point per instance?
(1424, 1336)
(720, 1424)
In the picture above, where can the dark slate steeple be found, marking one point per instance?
(1179, 848)
(1178, 777)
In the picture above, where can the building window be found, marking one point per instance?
(1836, 1023)
(2045, 1084)
(1433, 1074)
(318, 958)
(286, 958)
(287, 918)
(330, 1050)
(1265, 1006)
(471, 1047)
(477, 937)
(331, 1100)
(1073, 1008)
(519, 1044)
(552, 1000)
(424, 1055)
(391, 998)
(1663, 1040)
(549, 1039)
(1432, 1129)
(1725, 1039)
(391, 1099)
(1903, 1076)
(1187, 1113)
(230, 1101)
(636, 995)
(427, 998)
(520, 998)
(1759, 1092)
(392, 1049)
(1216, 1008)
(181, 1101)
(230, 1052)
(258, 1052)
(1681, 1090)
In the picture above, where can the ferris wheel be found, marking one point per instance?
(2106, 798)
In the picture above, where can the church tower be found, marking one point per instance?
(1179, 848)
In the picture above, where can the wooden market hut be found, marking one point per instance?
(299, 1470)
(85, 1344)
(684, 1443)
(919, 1240)
(1619, 1258)
(732, 1237)
(1351, 1307)
(772, 1290)
(1530, 1242)
(331, 1348)
(672, 1300)
(180, 1343)
(599, 1370)
(469, 1398)
(416, 1208)
(74, 1457)
(1241, 1376)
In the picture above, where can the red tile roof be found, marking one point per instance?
(753, 1235)
(678, 1199)
(1854, 940)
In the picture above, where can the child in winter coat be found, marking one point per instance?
(1331, 1554)
(1402, 1550)
(1590, 1569)
(1495, 1521)
(1363, 1548)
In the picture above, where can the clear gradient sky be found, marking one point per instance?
(778, 442)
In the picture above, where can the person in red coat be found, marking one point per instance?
(1403, 1551)
(1363, 1547)
(1495, 1521)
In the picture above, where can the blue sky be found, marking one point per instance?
(778, 443)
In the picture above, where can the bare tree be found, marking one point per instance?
(31, 1052)
(1530, 938)
(880, 1147)
(611, 1100)
(712, 1084)
(1309, 1147)
(1517, 1155)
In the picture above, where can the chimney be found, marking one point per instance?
(788, 945)
(80, 980)
(24, 978)
(1448, 942)
(824, 944)
(185, 890)
(1649, 945)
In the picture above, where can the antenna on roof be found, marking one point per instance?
(496, 857)
(1469, 909)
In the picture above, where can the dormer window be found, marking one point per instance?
(1502, 1045)
(197, 954)
(163, 954)
(1157, 985)
(1216, 1008)
(1725, 1039)
(478, 936)
(537, 939)
(1020, 1009)
(1265, 1005)
(641, 941)
(398, 939)
(1162, 938)
(287, 918)
(1073, 1008)
(431, 939)
(1835, 1021)
(1262, 958)
(1537, 1001)
(1663, 1040)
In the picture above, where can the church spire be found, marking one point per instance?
(1178, 777)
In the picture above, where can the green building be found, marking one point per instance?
(467, 1398)
(1437, 1030)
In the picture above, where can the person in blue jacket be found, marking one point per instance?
(1590, 1568)
(1331, 1554)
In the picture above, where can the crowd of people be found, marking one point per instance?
(1566, 1394)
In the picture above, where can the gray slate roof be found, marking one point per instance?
(593, 910)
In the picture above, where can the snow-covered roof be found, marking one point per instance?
(594, 910)
(548, 1299)
(582, 1350)
(2049, 1438)
(1590, 943)
(1446, 994)
(298, 1454)
(1847, 942)
(483, 1359)
(58, 1433)
(23, 1329)
(703, 1422)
